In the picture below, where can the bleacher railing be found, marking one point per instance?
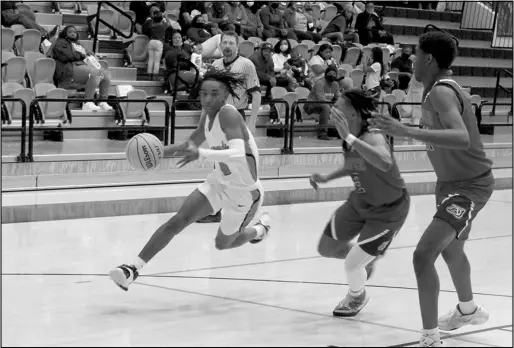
(429, 26)
(498, 86)
(23, 129)
(478, 15)
(509, 115)
(502, 25)
(100, 20)
(143, 128)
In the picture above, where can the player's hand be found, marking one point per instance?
(340, 122)
(388, 125)
(316, 179)
(190, 154)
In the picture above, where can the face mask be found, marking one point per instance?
(405, 55)
(330, 78)
(157, 18)
(249, 3)
(284, 48)
(275, 5)
(200, 25)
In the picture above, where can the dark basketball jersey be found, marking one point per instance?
(372, 185)
(455, 164)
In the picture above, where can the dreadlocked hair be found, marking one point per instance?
(365, 105)
(231, 80)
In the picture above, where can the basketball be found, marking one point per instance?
(144, 152)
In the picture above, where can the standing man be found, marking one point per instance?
(235, 63)
(464, 184)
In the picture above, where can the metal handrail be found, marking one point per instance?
(438, 29)
(67, 100)
(498, 76)
(98, 20)
(494, 105)
(22, 157)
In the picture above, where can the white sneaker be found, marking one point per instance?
(264, 221)
(106, 107)
(90, 106)
(124, 275)
(351, 305)
(455, 319)
(428, 341)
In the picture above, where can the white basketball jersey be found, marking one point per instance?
(243, 174)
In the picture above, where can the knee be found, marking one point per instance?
(326, 251)
(106, 75)
(222, 243)
(423, 258)
(453, 256)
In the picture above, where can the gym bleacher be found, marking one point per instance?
(94, 159)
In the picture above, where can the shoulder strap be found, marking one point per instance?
(451, 84)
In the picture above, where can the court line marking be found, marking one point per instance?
(460, 335)
(506, 330)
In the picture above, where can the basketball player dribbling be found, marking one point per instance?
(375, 210)
(232, 187)
(464, 184)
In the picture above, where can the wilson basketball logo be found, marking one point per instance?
(455, 210)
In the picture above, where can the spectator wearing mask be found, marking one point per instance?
(197, 31)
(370, 28)
(282, 54)
(272, 21)
(188, 11)
(70, 68)
(264, 66)
(374, 70)
(302, 24)
(324, 89)
(155, 29)
(403, 63)
(320, 61)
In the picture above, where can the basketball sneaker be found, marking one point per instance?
(428, 341)
(455, 319)
(351, 305)
(124, 275)
(264, 221)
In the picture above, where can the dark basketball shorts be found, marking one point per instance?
(458, 203)
(376, 226)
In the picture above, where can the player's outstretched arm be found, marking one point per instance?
(235, 130)
(196, 138)
(454, 135)
(317, 178)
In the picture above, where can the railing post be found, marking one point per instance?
(30, 154)
(23, 157)
(496, 92)
(97, 24)
(286, 129)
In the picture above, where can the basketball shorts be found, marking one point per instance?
(375, 226)
(238, 206)
(458, 203)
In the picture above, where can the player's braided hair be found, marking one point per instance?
(230, 79)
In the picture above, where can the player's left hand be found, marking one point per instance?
(388, 125)
(340, 122)
(189, 155)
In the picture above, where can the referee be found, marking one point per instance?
(241, 65)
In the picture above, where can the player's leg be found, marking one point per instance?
(238, 211)
(374, 239)
(200, 202)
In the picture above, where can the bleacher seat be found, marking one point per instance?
(309, 43)
(272, 40)
(330, 13)
(14, 109)
(357, 77)
(23, 7)
(131, 113)
(399, 95)
(293, 43)
(15, 70)
(348, 68)
(386, 54)
(352, 55)
(39, 68)
(139, 49)
(255, 40)
(52, 113)
(7, 40)
(316, 12)
(106, 15)
(337, 52)
(278, 93)
(246, 48)
(124, 24)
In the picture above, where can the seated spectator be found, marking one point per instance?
(339, 27)
(370, 28)
(403, 63)
(403, 82)
(188, 11)
(324, 89)
(282, 54)
(300, 70)
(70, 68)
(197, 32)
(176, 50)
(375, 71)
(238, 16)
(196, 59)
(11, 16)
(264, 66)
(272, 21)
(155, 29)
(320, 61)
(251, 8)
(219, 12)
(297, 19)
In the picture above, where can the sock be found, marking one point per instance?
(139, 263)
(354, 265)
(356, 293)
(356, 281)
(433, 333)
(467, 308)
(260, 230)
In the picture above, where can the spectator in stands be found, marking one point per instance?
(178, 49)
(155, 29)
(251, 8)
(403, 82)
(282, 54)
(297, 19)
(197, 32)
(11, 16)
(188, 11)
(370, 28)
(339, 27)
(263, 62)
(197, 60)
(219, 12)
(320, 61)
(374, 70)
(70, 67)
(240, 20)
(404, 62)
(327, 90)
(272, 21)
(142, 11)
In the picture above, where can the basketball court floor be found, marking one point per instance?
(277, 293)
